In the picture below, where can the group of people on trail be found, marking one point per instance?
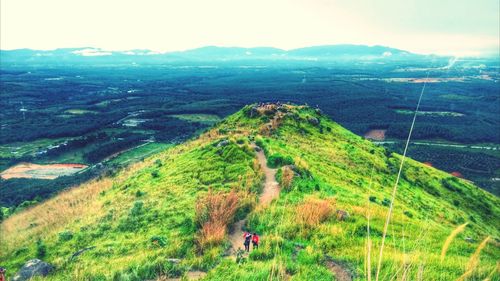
(254, 238)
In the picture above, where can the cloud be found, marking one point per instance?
(91, 53)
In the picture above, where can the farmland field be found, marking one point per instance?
(107, 117)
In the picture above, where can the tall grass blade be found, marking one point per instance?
(450, 239)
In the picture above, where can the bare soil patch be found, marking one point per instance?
(37, 171)
(376, 134)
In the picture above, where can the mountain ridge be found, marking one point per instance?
(341, 52)
(154, 211)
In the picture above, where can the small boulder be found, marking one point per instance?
(313, 121)
(174, 261)
(223, 143)
(470, 239)
(32, 268)
(342, 215)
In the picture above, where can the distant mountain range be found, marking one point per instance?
(326, 53)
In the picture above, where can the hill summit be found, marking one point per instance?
(317, 195)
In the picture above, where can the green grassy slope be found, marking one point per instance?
(145, 215)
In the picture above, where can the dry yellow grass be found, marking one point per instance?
(450, 238)
(55, 214)
(314, 211)
(214, 212)
(474, 260)
(287, 177)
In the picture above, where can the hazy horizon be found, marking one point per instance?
(426, 27)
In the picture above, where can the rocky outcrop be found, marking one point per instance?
(32, 268)
(342, 215)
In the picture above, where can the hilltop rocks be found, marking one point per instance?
(32, 268)
(253, 112)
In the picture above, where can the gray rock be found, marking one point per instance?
(174, 261)
(314, 121)
(342, 215)
(470, 239)
(32, 268)
(223, 143)
(253, 112)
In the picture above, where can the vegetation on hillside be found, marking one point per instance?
(334, 185)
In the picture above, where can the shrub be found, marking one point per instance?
(373, 199)
(408, 214)
(155, 174)
(41, 249)
(277, 160)
(261, 254)
(213, 214)
(287, 177)
(314, 211)
(139, 193)
(137, 209)
(65, 236)
(158, 241)
(386, 202)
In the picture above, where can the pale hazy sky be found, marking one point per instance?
(457, 27)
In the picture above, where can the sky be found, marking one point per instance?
(448, 27)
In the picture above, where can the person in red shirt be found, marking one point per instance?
(255, 241)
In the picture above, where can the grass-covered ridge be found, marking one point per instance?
(143, 216)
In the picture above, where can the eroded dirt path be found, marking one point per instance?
(340, 272)
(270, 191)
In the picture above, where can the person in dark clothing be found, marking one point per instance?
(255, 241)
(248, 237)
(2, 274)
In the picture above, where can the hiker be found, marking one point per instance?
(248, 237)
(255, 241)
(2, 274)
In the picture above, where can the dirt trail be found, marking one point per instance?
(270, 191)
(340, 272)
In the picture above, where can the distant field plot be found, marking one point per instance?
(20, 149)
(36, 171)
(482, 166)
(80, 111)
(202, 118)
(431, 113)
(376, 134)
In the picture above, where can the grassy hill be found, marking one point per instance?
(171, 214)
